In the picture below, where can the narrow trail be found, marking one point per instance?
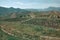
(47, 37)
(26, 20)
(11, 33)
(7, 32)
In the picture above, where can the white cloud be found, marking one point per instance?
(29, 4)
(19, 3)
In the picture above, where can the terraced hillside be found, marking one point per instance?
(33, 27)
(29, 31)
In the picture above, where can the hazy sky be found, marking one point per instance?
(35, 4)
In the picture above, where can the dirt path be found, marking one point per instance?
(47, 37)
(26, 20)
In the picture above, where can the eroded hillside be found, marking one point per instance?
(44, 25)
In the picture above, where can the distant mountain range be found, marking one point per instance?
(46, 9)
(7, 12)
(4, 10)
(52, 9)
